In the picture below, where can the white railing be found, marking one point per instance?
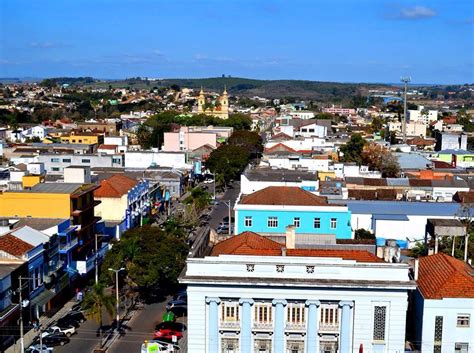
(227, 324)
(332, 328)
(300, 326)
(263, 325)
(67, 246)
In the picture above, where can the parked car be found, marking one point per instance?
(166, 330)
(73, 318)
(68, 331)
(36, 348)
(159, 347)
(208, 181)
(179, 307)
(221, 229)
(56, 339)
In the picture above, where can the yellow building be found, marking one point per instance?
(56, 200)
(83, 137)
(29, 181)
(220, 109)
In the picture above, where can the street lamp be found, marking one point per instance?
(405, 80)
(117, 294)
(228, 203)
(20, 285)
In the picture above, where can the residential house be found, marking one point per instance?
(443, 305)
(124, 203)
(270, 210)
(252, 294)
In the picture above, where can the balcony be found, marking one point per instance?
(328, 328)
(85, 266)
(64, 248)
(263, 326)
(229, 325)
(292, 326)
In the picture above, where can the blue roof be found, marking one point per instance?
(390, 217)
(400, 207)
(454, 151)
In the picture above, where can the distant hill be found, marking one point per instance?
(319, 91)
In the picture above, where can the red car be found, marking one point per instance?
(166, 330)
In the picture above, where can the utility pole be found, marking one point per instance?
(229, 204)
(20, 299)
(405, 80)
(117, 295)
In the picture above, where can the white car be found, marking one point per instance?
(68, 331)
(38, 349)
(208, 181)
(158, 346)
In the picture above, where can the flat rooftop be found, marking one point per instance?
(269, 174)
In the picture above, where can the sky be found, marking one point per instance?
(323, 40)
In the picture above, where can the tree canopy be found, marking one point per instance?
(352, 150)
(228, 161)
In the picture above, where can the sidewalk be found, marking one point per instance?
(45, 322)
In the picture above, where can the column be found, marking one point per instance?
(312, 337)
(213, 324)
(345, 336)
(279, 326)
(246, 325)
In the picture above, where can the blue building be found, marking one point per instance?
(271, 210)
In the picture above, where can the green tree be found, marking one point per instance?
(95, 301)
(249, 140)
(229, 161)
(352, 150)
(362, 233)
(197, 201)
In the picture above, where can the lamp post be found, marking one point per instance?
(96, 261)
(228, 203)
(405, 80)
(20, 287)
(117, 294)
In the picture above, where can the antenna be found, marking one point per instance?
(405, 80)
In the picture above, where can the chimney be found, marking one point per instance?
(415, 270)
(290, 237)
(283, 251)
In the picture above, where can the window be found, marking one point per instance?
(461, 347)
(295, 346)
(272, 222)
(304, 130)
(329, 318)
(67, 160)
(317, 223)
(55, 160)
(438, 334)
(229, 345)
(86, 161)
(116, 160)
(310, 130)
(263, 314)
(296, 222)
(333, 223)
(380, 314)
(55, 169)
(295, 314)
(262, 345)
(463, 320)
(230, 311)
(248, 221)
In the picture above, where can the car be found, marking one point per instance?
(73, 318)
(208, 181)
(159, 346)
(180, 297)
(221, 229)
(56, 339)
(36, 348)
(166, 330)
(68, 331)
(178, 307)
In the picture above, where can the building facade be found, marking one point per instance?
(271, 210)
(295, 301)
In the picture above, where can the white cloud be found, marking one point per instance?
(416, 13)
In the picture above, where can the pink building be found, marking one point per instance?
(184, 140)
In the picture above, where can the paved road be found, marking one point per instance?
(85, 340)
(220, 211)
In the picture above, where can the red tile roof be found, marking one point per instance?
(107, 147)
(115, 186)
(284, 196)
(249, 243)
(442, 276)
(13, 245)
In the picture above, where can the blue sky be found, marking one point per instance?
(325, 40)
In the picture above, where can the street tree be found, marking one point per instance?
(352, 150)
(95, 301)
(228, 161)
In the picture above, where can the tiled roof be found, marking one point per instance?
(14, 246)
(245, 243)
(115, 186)
(464, 196)
(249, 243)
(442, 276)
(284, 196)
(107, 147)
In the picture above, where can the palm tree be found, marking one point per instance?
(95, 301)
(197, 201)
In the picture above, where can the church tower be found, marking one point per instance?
(225, 103)
(201, 101)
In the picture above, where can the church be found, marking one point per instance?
(219, 109)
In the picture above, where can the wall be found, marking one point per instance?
(111, 208)
(149, 158)
(285, 218)
(449, 308)
(40, 205)
(311, 164)
(55, 163)
(250, 186)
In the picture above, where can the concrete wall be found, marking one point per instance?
(111, 208)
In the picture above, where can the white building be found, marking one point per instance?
(257, 179)
(284, 161)
(146, 159)
(444, 305)
(306, 144)
(255, 295)
(302, 114)
(312, 130)
(421, 115)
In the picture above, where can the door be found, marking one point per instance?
(328, 347)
